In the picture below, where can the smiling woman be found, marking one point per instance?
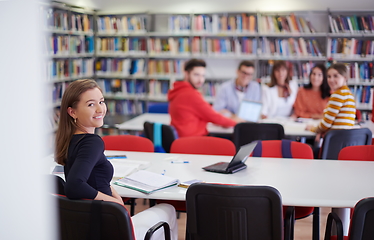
(87, 171)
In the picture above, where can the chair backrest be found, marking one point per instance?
(360, 153)
(167, 132)
(335, 140)
(282, 149)
(248, 132)
(158, 107)
(91, 219)
(127, 143)
(59, 185)
(361, 227)
(203, 145)
(227, 212)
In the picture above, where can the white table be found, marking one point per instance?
(301, 182)
(291, 128)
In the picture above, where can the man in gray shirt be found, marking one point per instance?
(232, 92)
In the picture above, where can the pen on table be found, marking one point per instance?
(179, 161)
(114, 157)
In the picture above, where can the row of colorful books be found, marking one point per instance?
(351, 24)
(361, 72)
(62, 20)
(58, 91)
(120, 67)
(125, 107)
(61, 69)
(285, 24)
(222, 23)
(168, 45)
(363, 94)
(65, 45)
(350, 47)
(210, 88)
(121, 24)
(120, 44)
(179, 23)
(122, 87)
(166, 67)
(290, 47)
(158, 88)
(213, 46)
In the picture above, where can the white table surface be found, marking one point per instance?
(291, 128)
(301, 182)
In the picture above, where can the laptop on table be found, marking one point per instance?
(250, 110)
(237, 162)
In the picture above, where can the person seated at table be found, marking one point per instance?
(232, 92)
(87, 171)
(188, 110)
(312, 99)
(279, 95)
(340, 112)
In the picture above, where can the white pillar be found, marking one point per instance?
(26, 210)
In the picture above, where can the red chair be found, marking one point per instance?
(128, 143)
(290, 149)
(357, 153)
(203, 145)
(199, 145)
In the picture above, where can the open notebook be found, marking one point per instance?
(146, 181)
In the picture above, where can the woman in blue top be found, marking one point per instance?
(87, 171)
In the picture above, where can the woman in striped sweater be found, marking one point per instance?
(340, 112)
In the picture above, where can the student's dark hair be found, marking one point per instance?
(341, 68)
(190, 64)
(67, 126)
(246, 63)
(325, 88)
(278, 65)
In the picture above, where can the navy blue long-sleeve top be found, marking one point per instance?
(87, 170)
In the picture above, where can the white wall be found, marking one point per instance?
(189, 6)
(26, 210)
(90, 4)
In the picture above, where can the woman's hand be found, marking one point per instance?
(311, 128)
(237, 119)
(116, 195)
(104, 197)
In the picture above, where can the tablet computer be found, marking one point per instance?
(250, 110)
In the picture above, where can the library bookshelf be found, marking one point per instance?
(137, 57)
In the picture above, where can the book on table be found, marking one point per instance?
(146, 181)
(123, 167)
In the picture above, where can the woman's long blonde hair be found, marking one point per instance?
(67, 126)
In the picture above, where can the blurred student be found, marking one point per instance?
(312, 99)
(232, 92)
(279, 95)
(88, 173)
(340, 112)
(188, 110)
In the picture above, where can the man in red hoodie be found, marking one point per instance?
(188, 110)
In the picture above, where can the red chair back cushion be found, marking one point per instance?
(128, 143)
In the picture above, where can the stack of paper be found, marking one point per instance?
(146, 182)
(124, 167)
